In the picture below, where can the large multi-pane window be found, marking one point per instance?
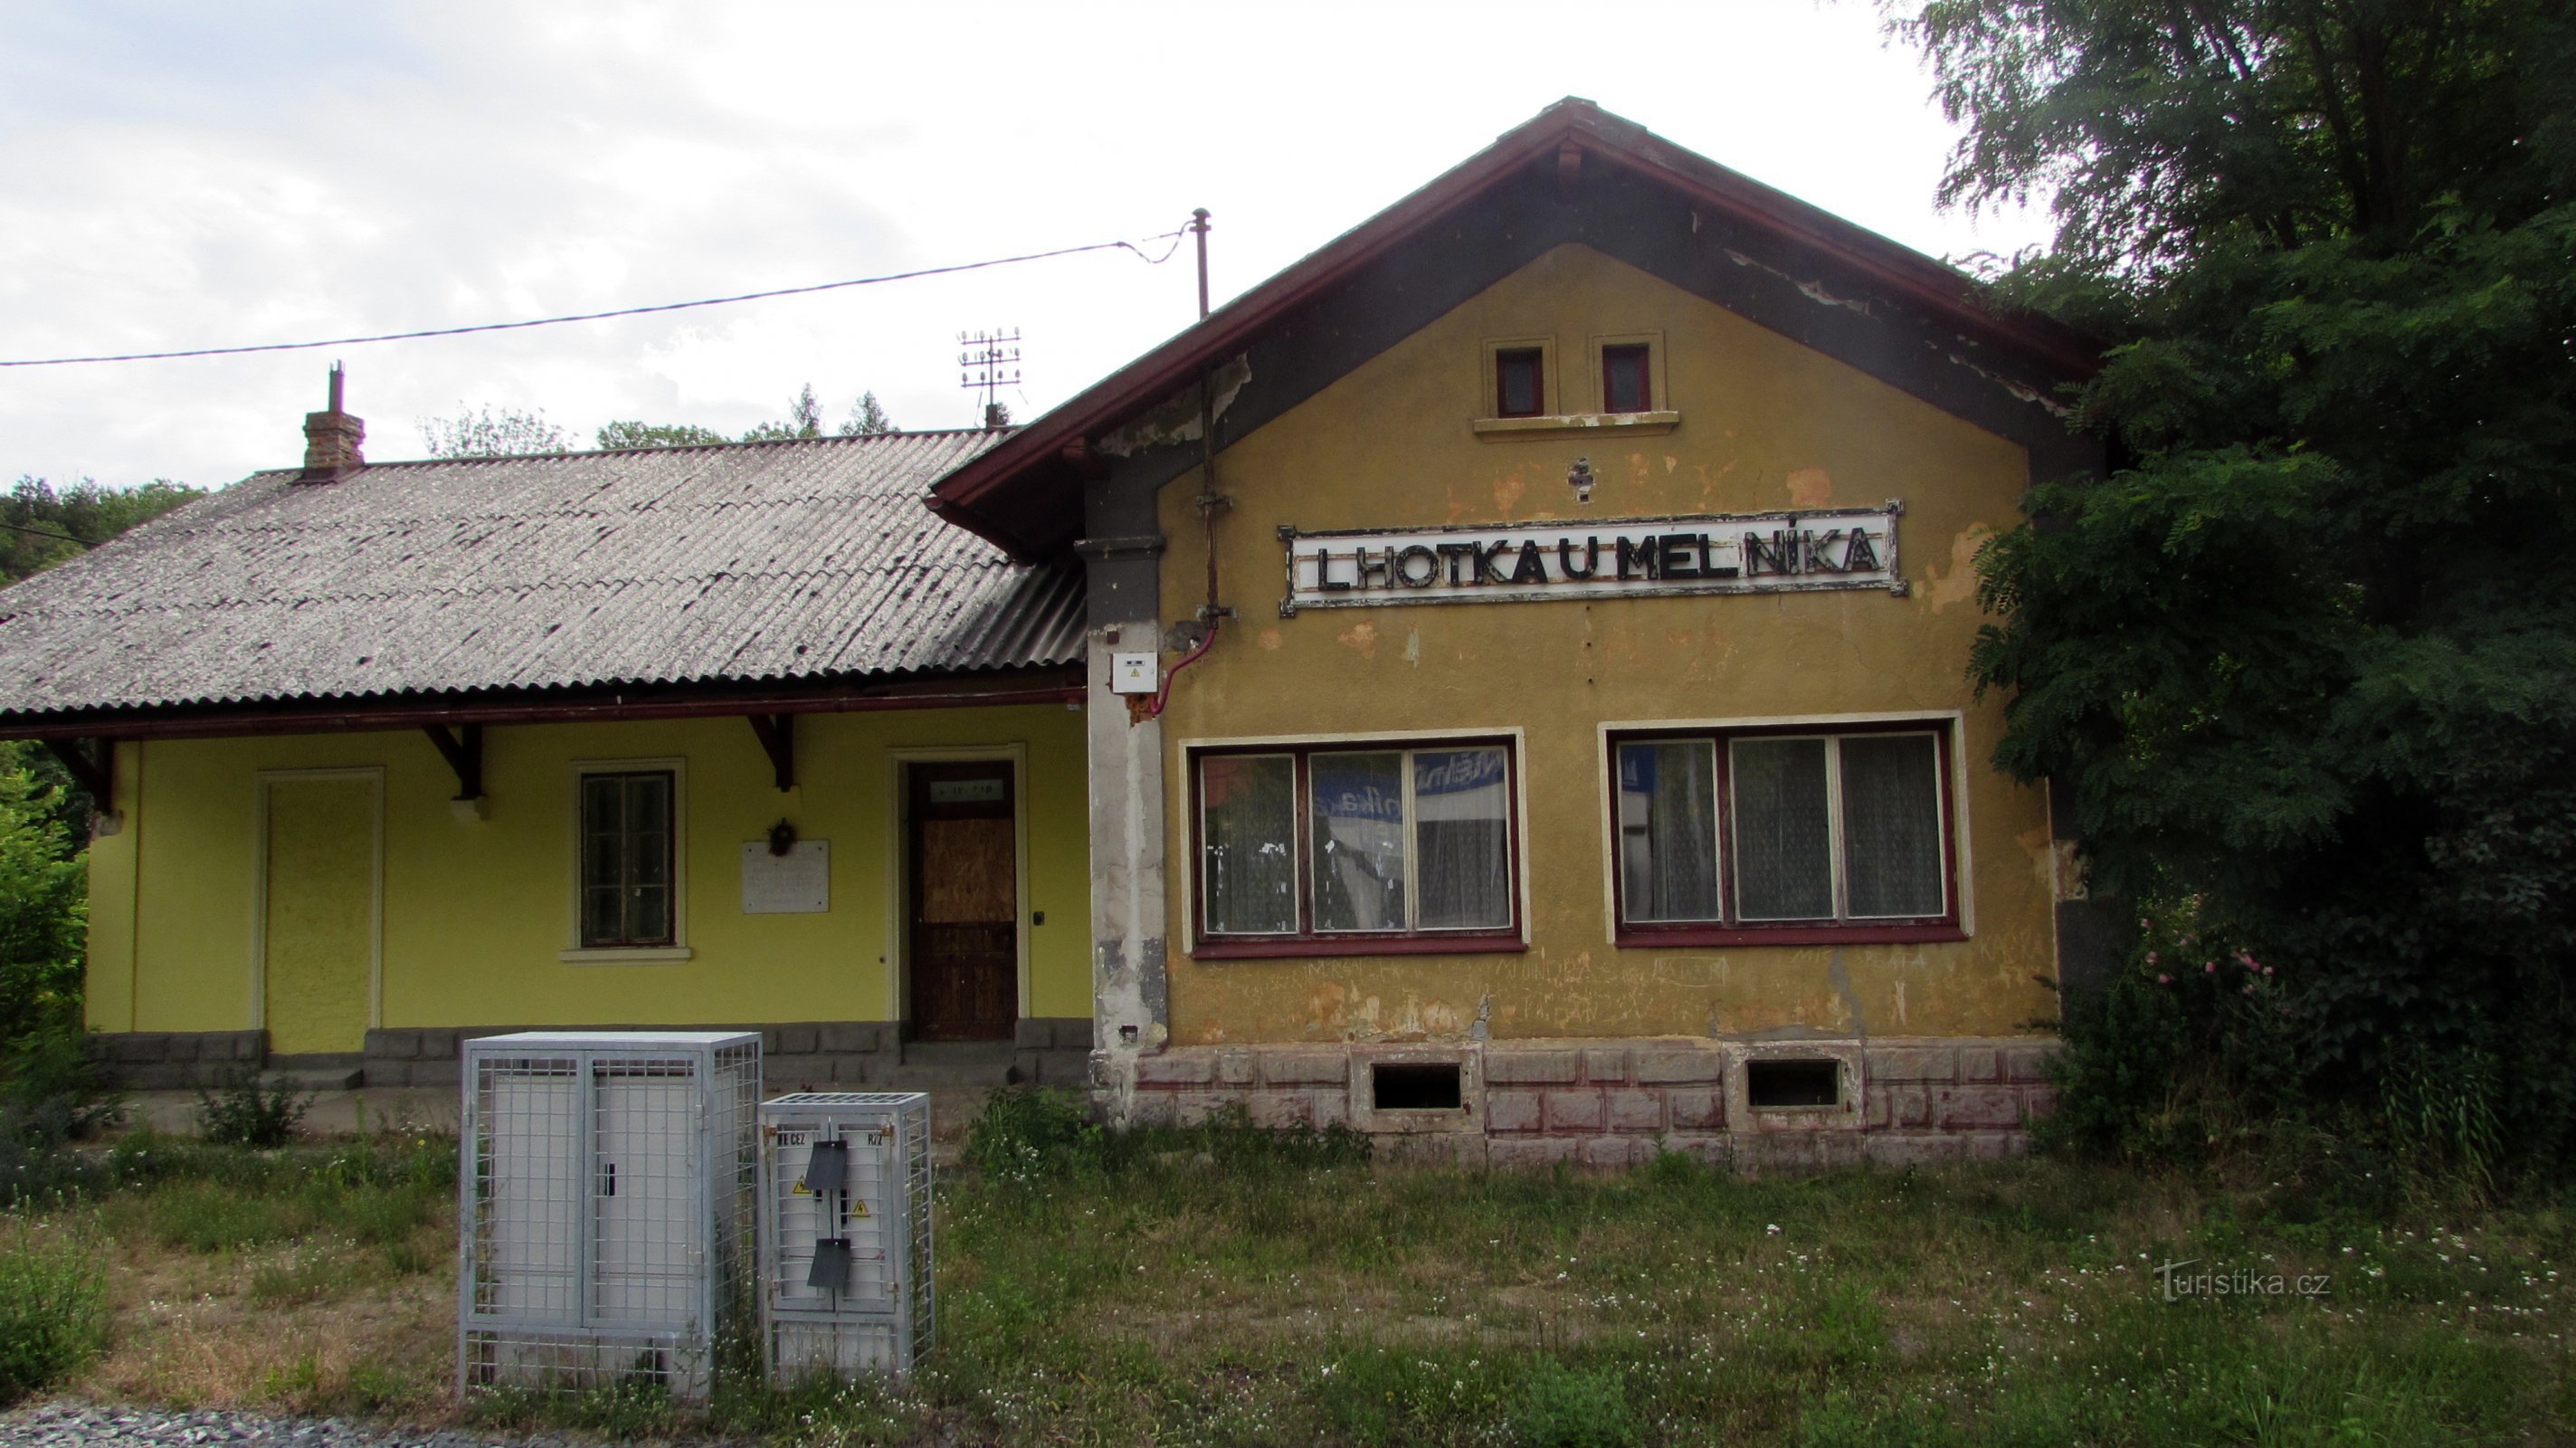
(1336, 844)
(1784, 830)
(627, 839)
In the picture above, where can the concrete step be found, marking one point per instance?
(317, 1072)
(935, 1065)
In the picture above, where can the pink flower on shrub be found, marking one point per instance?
(2210, 966)
(2151, 957)
(2164, 980)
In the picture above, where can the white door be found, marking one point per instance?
(532, 1216)
(648, 1248)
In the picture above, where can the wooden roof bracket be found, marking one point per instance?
(92, 765)
(463, 751)
(778, 739)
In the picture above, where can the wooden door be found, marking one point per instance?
(963, 873)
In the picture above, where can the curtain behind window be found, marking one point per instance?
(1783, 834)
(1462, 839)
(1668, 830)
(1358, 823)
(1892, 825)
(1248, 827)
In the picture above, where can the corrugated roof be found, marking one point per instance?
(776, 561)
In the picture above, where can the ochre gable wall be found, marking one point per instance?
(1765, 424)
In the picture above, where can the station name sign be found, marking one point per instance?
(1836, 548)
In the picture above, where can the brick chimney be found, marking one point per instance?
(331, 440)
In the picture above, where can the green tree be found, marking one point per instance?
(44, 911)
(492, 432)
(2305, 654)
(44, 526)
(657, 434)
(804, 419)
(867, 418)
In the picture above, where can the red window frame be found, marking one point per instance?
(1535, 358)
(1616, 353)
(1306, 940)
(1731, 928)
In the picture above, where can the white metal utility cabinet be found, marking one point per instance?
(606, 1207)
(845, 1233)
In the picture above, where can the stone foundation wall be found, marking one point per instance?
(1617, 1103)
(795, 1056)
(176, 1060)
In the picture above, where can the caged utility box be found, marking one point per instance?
(845, 1279)
(606, 1208)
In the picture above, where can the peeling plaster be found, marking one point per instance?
(1176, 418)
(1813, 291)
(1811, 488)
(1959, 585)
(2021, 390)
(1855, 1018)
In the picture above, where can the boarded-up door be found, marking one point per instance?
(318, 930)
(964, 873)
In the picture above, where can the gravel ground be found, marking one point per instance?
(76, 1425)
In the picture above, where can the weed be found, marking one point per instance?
(53, 1309)
(246, 1111)
(1024, 1132)
(206, 1216)
(1566, 1407)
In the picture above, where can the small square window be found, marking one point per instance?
(1520, 382)
(627, 865)
(1626, 381)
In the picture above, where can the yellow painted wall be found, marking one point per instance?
(476, 911)
(1765, 424)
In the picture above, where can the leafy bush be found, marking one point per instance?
(53, 1310)
(245, 1111)
(1023, 1131)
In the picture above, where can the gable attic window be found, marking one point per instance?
(1614, 381)
(1626, 385)
(1520, 382)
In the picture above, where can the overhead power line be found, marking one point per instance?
(1171, 236)
(47, 533)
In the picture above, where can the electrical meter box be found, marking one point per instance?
(845, 1281)
(605, 1208)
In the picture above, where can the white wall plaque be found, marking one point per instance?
(1582, 558)
(796, 883)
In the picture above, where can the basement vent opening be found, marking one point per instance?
(1415, 1086)
(1793, 1083)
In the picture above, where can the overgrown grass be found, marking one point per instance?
(1218, 1285)
(53, 1306)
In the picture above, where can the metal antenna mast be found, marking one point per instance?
(991, 362)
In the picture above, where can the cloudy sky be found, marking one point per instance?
(180, 175)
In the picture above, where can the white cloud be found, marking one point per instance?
(274, 172)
